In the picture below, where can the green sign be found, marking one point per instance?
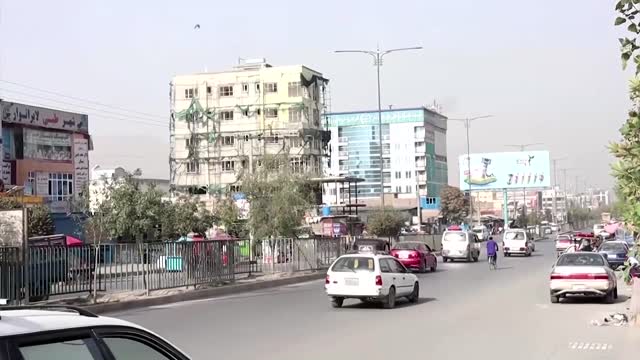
(371, 118)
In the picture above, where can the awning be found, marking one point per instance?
(71, 241)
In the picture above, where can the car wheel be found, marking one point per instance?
(424, 267)
(475, 258)
(444, 259)
(390, 301)
(610, 297)
(415, 294)
(337, 302)
(554, 299)
(615, 292)
(435, 265)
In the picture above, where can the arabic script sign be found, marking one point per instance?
(47, 118)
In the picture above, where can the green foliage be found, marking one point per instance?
(454, 206)
(40, 221)
(39, 216)
(227, 215)
(278, 196)
(184, 216)
(386, 223)
(626, 169)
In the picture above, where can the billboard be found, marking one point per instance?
(507, 170)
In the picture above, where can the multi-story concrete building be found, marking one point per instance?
(223, 123)
(46, 151)
(414, 152)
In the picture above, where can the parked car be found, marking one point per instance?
(583, 273)
(66, 332)
(616, 252)
(415, 255)
(370, 276)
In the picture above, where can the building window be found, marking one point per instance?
(271, 113)
(271, 87)
(60, 186)
(192, 142)
(408, 174)
(228, 140)
(295, 115)
(258, 87)
(193, 167)
(398, 189)
(295, 90)
(209, 90)
(245, 88)
(30, 184)
(386, 177)
(409, 189)
(316, 117)
(245, 111)
(191, 93)
(295, 142)
(226, 115)
(398, 174)
(228, 165)
(226, 90)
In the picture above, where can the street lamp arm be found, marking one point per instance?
(400, 49)
(372, 53)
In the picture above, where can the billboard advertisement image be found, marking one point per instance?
(506, 170)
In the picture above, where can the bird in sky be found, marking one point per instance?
(197, 27)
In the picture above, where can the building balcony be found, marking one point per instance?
(343, 153)
(420, 149)
(343, 139)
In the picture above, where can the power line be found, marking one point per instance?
(108, 117)
(81, 106)
(80, 99)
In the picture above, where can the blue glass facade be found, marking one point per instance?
(363, 149)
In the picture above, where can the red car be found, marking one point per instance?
(415, 255)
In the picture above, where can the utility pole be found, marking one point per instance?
(555, 188)
(378, 56)
(467, 125)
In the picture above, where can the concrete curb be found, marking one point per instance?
(200, 294)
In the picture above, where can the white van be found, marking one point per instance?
(482, 232)
(517, 241)
(458, 244)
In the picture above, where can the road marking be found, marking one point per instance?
(588, 346)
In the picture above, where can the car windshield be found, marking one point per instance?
(454, 236)
(354, 263)
(581, 259)
(406, 246)
(514, 235)
(613, 247)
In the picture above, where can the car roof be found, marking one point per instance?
(15, 321)
(622, 242)
(366, 254)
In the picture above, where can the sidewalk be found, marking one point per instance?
(138, 299)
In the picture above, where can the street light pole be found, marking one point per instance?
(523, 147)
(378, 55)
(467, 125)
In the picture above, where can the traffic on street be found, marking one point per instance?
(464, 310)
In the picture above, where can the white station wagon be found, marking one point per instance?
(370, 277)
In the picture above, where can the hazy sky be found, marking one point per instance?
(549, 71)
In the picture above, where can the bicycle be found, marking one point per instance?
(492, 262)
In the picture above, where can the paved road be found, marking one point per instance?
(465, 312)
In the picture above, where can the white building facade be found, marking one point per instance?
(223, 123)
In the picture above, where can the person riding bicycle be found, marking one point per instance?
(492, 250)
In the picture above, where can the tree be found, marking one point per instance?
(39, 217)
(627, 150)
(227, 214)
(454, 206)
(386, 223)
(279, 198)
(184, 216)
(548, 215)
(40, 221)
